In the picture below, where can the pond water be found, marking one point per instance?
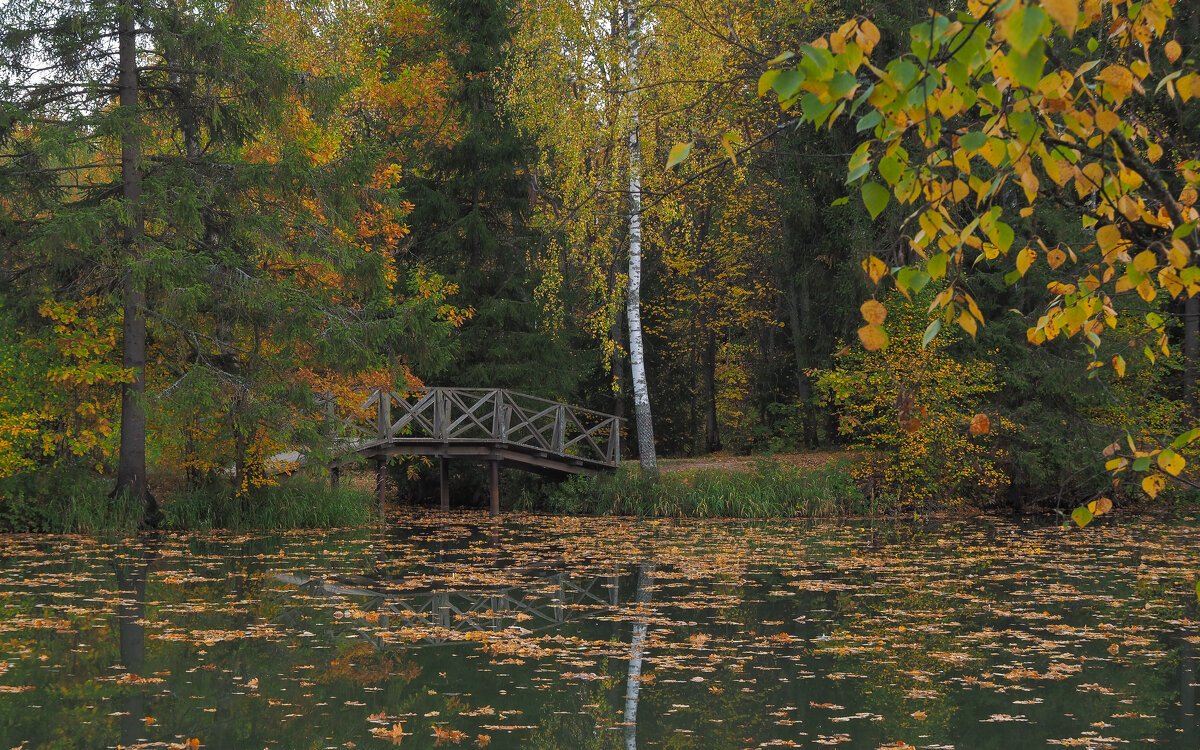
(550, 632)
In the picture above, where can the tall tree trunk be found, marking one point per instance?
(637, 356)
(1191, 349)
(712, 436)
(800, 319)
(131, 468)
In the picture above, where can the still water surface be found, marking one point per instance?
(546, 632)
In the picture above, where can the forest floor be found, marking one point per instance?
(729, 462)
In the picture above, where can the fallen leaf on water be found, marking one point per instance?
(395, 734)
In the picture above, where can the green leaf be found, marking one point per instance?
(930, 331)
(937, 265)
(972, 141)
(875, 197)
(679, 152)
(890, 169)
(841, 201)
(767, 80)
(1081, 516)
(1142, 464)
(787, 83)
(1186, 438)
(814, 111)
(1198, 589)
(1024, 27)
(1027, 65)
(868, 121)
(1183, 230)
(842, 84)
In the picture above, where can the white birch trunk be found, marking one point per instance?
(637, 358)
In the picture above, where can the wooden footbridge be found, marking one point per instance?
(497, 426)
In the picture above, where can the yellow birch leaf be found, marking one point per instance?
(1146, 290)
(1056, 258)
(874, 268)
(1145, 261)
(1108, 236)
(967, 322)
(1119, 365)
(1119, 79)
(873, 312)
(873, 338)
(1064, 12)
(1172, 50)
(1106, 120)
(1025, 259)
(1100, 506)
(1177, 254)
(1153, 484)
(1171, 462)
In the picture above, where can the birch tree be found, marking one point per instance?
(604, 87)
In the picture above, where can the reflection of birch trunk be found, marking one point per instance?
(637, 648)
(1187, 694)
(637, 356)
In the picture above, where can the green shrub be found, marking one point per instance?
(64, 500)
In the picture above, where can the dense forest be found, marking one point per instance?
(963, 242)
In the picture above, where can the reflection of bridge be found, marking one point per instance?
(544, 602)
(496, 425)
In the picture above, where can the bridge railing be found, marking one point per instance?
(499, 416)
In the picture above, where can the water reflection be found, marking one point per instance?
(131, 578)
(377, 603)
(604, 634)
(633, 684)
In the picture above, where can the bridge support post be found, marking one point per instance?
(444, 483)
(380, 482)
(495, 477)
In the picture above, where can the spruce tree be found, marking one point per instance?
(470, 220)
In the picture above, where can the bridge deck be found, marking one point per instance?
(495, 425)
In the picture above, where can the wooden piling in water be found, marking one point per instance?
(444, 483)
(495, 477)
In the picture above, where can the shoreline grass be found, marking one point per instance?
(60, 502)
(772, 490)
